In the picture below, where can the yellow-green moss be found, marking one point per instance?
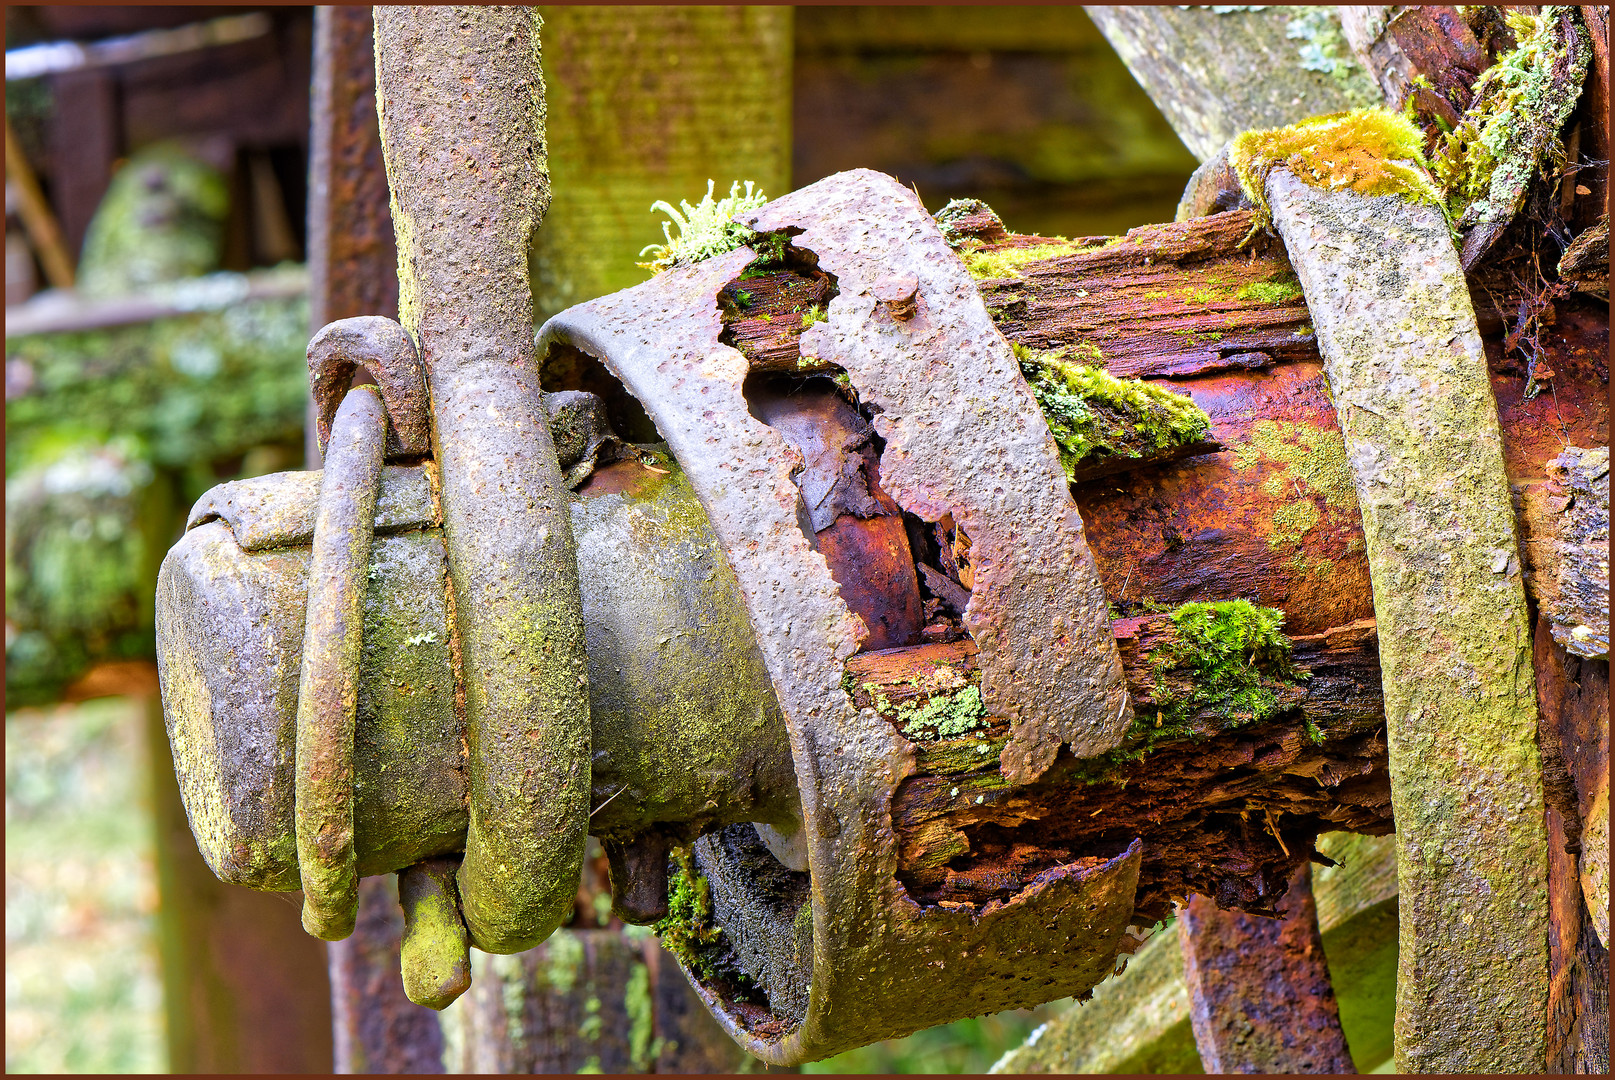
(705, 229)
(1369, 151)
(1228, 657)
(1291, 522)
(1007, 262)
(643, 1045)
(1313, 460)
(1091, 413)
(1286, 291)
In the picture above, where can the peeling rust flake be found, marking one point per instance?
(964, 436)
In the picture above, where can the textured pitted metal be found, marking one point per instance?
(685, 729)
(882, 966)
(460, 100)
(328, 685)
(382, 347)
(964, 436)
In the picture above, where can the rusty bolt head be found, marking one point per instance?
(899, 293)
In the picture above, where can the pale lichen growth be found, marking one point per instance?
(944, 716)
(1484, 164)
(705, 230)
(1312, 459)
(1324, 48)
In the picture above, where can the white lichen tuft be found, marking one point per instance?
(704, 230)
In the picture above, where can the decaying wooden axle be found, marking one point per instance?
(940, 726)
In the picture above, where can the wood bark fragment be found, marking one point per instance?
(1407, 370)
(1567, 549)
(1260, 999)
(1138, 1022)
(1573, 697)
(1400, 44)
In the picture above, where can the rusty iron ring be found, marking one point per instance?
(875, 954)
(327, 695)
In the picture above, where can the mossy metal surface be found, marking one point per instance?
(1408, 375)
(222, 612)
(435, 957)
(327, 690)
(686, 727)
(461, 105)
(687, 730)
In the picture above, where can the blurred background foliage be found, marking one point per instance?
(178, 181)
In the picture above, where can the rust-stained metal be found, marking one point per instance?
(352, 258)
(964, 436)
(898, 294)
(327, 692)
(856, 526)
(382, 348)
(1260, 1000)
(875, 954)
(460, 100)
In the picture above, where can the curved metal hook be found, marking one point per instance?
(382, 347)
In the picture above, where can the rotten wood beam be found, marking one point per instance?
(1226, 806)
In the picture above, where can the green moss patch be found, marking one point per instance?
(1093, 414)
(1287, 291)
(1484, 164)
(1231, 652)
(162, 219)
(1225, 665)
(687, 930)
